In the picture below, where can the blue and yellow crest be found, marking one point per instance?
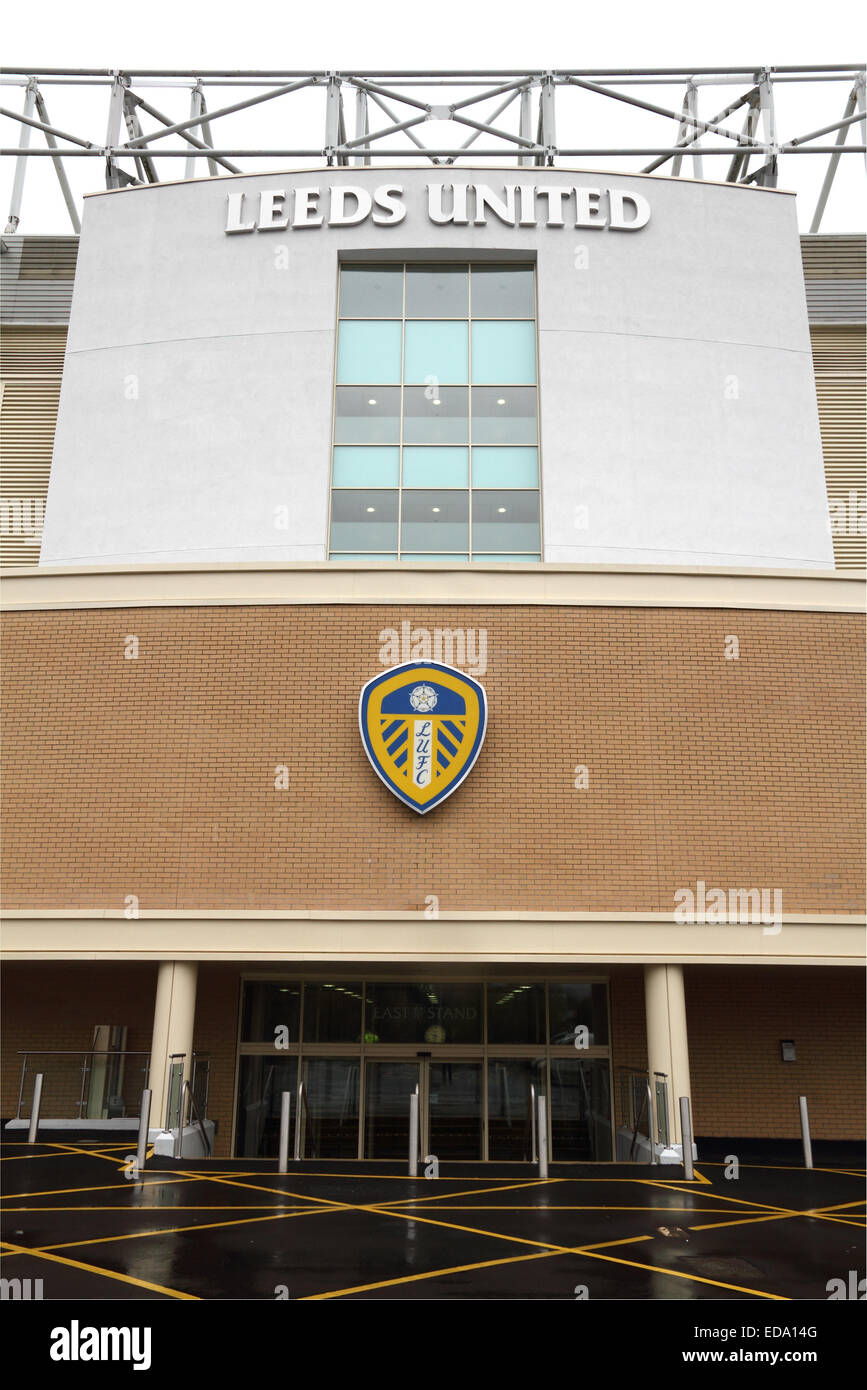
(422, 725)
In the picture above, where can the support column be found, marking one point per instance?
(667, 1041)
(174, 1015)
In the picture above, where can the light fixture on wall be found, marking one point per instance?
(787, 1051)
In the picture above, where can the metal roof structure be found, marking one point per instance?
(515, 111)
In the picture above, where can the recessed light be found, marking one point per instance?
(371, 402)
(437, 402)
(434, 509)
(373, 509)
(499, 509)
(501, 401)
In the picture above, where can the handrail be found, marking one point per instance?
(194, 1111)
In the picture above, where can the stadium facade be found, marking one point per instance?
(581, 440)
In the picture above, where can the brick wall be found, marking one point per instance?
(155, 776)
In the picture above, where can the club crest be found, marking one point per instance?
(422, 725)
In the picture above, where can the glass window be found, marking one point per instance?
(363, 415)
(504, 415)
(363, 519)
(510, 1131)
(455, 1110)
(505, 521)
(368, 351)
(578, 1002)
(436, 393)
(505, 467)
(436, 467)
(501, 557)
(332, 1013)
(437, 292)
(261, 1080)
(435, 349)
(435, 416)
(359, 555)
(435, 520)
(503, 292)
(504, 351)
(423, 557)
(268, 1005)
(366, 467)
(330, 1123)
(371, 292)
(400, 1012)
(580, 1111)
(516, 1013)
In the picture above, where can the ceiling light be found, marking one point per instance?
(371, 402)
(434, 509)
(437, 402)
(499, 509)
(373, 509)
(501, 401)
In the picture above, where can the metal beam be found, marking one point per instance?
(58, 165)
(21, 162)
(833, 161)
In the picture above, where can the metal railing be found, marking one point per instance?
(644, 1108)
(529, 117)
(98, 1084)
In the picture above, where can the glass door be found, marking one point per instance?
(388, 1087)
(455, 1110)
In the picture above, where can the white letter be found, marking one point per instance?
(59, 1344)
(270, 205)
(338, 216)
(619, 223)
(589, 213)
(555, 195)
(504, 208)
(388, 198)
(528, 205)
(235, 213)
(458, 214)
(305, 204)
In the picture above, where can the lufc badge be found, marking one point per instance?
(422, 725)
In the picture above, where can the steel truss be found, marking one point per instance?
(396, 100)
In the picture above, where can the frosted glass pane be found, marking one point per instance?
(422, 557)
(436, 521)
(436, 350)
(504, 415)
(504, 352)
(371, 467)
(368, 351)
(507, 521)
(505, 467)
(501, 559)
(437, 292)
(438, 417)
(503, 292)
(371, 292)
(361, 555)
(362, 520)
(434, 467)
(367, 415)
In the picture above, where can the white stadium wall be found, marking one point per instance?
(678, 416)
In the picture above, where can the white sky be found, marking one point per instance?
(392, 34)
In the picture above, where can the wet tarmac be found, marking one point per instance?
(236, 1229)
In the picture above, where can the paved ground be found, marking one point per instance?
(236, 1229)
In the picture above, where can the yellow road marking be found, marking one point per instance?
(105, 1273)
(822, 1213)
(677, 1274)
(454, 1269)
(178, 1230)
(127, 1186)
(474, 1192)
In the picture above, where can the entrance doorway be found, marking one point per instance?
(451, 1107)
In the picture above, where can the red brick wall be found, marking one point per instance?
(154, 777)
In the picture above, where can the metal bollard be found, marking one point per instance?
(34, 1108)
(144, 1120)
(686, 1138)
(805, 1132)
(285, 1112)
(299, 1118)
(542, 1133)
(413, 1135)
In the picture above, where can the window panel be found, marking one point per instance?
(435, 417)
(505, 467)
(436, 467)
(504, 352)
(506, 521)
(503, 292)
(578, 1002)
(368, 351)
(332, 1012)
(435, 521)
(437, 292)
(366, 467)
(269, 1005)
(363, 520)
(424, 556)
(371, 291)
(367, 415)
(405, 1012)
(504, 415)
(516, 1013)
(500, 557)
(436, 350)
(359, 555)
